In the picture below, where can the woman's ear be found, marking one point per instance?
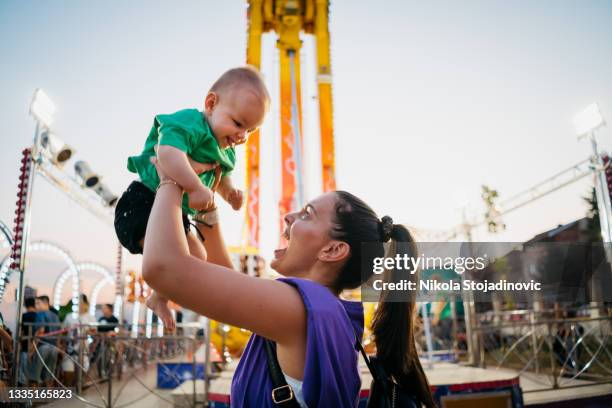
(334, 251)
(210, 102)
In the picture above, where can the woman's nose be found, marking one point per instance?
(289, 218)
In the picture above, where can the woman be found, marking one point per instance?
(312, 328)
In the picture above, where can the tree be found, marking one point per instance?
(593, 226)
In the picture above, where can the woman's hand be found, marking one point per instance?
(160, 171)
(197, 167)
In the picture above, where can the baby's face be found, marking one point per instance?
(234, 114)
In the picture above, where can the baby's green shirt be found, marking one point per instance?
(188, 131)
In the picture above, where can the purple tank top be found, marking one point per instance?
(331, 374)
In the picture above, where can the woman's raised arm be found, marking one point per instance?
(269, 308)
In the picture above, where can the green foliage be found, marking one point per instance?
(492, 215)
(594, 228)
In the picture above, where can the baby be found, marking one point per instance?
(195, 149)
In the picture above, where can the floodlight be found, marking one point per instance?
(82, 169)
(42, 108)
(588, 120)
(59, 151)
(105, 194)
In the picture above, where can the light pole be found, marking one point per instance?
(47, 156)
(42, 109)
(586, 123)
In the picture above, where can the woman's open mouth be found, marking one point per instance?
(278, 253)
(281, 251)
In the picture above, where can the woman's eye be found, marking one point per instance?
(237, 123)
(303, 214)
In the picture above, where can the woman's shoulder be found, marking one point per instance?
(322, 303)
(314, 294)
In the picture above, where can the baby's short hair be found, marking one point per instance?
(247, 75)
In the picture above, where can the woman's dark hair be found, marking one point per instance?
(393, 326)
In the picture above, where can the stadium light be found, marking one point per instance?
(82, 169)
(588, 120)
(59, 151)
(42, 108)
(105, 194)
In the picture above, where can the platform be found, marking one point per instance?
(443, 378)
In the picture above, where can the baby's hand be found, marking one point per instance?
(200, 198)
(235, 198)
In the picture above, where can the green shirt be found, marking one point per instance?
(188, 131)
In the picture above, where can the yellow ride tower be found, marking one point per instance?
(289, 18)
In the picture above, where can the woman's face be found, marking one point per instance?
(306, 233)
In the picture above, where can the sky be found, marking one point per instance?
(431, 100)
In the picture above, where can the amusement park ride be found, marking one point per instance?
(290, 19)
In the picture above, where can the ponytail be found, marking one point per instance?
(393, 327)
(356, 223)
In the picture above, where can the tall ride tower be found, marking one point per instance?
(288, 19)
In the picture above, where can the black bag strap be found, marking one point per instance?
(359, 348)
(282, 393)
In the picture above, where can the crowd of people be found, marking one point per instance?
(51, 341)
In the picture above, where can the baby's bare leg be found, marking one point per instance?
(159, 305)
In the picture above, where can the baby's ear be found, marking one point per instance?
(210, 101)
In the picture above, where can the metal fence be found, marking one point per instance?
(103, 363)
(549, 351)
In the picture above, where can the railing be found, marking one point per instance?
(549, 352)
(111, 359)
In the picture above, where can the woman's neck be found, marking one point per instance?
(324, 278)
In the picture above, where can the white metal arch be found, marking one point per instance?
(107, 277)
(6, 241)
(5, 274)
(47, 246)
(107, 280)
(6, 236)
(43, 246)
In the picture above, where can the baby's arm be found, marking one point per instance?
(229, 193)
(225, 187)
(175, 164)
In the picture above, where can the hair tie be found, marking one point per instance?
(386, 227)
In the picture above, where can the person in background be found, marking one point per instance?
(45, 356)
(108, 318)
(27, 332)
(45, 299)
(6, 353)
(107, 325)
(75, 342)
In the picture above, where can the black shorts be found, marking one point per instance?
(132, 214)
